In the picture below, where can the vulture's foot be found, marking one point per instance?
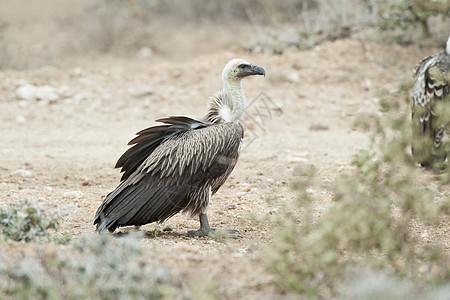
(205, 230)
(216, 233)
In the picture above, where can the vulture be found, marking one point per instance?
(178, 166)
(430, 106)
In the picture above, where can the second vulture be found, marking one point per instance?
(430, 105)
(178, 166)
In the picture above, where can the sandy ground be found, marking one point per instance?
(70, 145)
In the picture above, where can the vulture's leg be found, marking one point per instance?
(206, 230)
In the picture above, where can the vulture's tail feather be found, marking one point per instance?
(106, 223)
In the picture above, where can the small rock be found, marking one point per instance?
(296, 159)
(318, 127)
(167, 227)
(265, 184)
(21, 119)
(310, 190)
(46, 93)
(141, 91)
(273, 211)
(85, 181)
(30, 92)
(22, 172)
(230, 206)
(293, 77)
(26, 92)
(367, 84)
(73, 194)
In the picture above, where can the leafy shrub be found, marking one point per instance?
(29, 221)
(401, 21)
(369, 222)
(96, 267)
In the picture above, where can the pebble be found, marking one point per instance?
(367, 84)
(21, 119)
(318, 127)
(298, 159)
(265, 184)
(310, 190)
(273, 211)
(22, 172)
(73, 194)
(46, 93)
(230, 206)
(293, 77)
(167, 227)
(26, 92)
(141, 91)
(30, 92)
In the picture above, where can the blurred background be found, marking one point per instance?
(36, 33)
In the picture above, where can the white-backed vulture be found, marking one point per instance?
(178, 166)
(430, 105)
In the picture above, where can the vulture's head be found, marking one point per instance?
(237, 68)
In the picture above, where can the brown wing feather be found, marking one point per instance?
(149, 139)
(176, 175)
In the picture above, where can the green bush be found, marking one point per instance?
(99, 266)
(30, 221)
(369, 222)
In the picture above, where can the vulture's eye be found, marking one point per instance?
(241, 66)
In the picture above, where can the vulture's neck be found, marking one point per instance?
(227, 105)
(234, 108)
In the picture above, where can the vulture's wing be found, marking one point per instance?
(149, 139)
(167, 166)
(429, 112)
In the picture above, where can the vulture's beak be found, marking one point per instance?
(251, 70)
